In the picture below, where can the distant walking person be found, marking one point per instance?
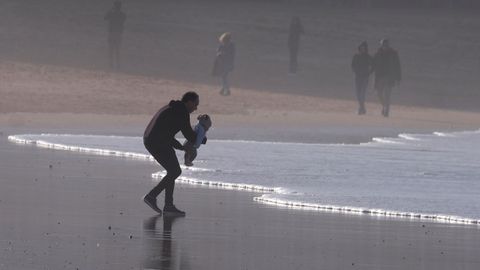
(388, 72)
(159, 139)
(224, 61)
(116, 21)
(362, 67)
(296, 29)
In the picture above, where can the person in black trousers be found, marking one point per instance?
(388, 73)
(295, 31)
(362, 67)
(116, 21)
(159, 139)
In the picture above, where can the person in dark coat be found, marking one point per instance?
(295, 31)
(224, 61)
(116, 20)
(362, 65)
(159, 140)
(388, 73)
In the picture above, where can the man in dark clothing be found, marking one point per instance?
(296, 29)
(386, 65)
(116, 20)
(159, 139)
(362, 67)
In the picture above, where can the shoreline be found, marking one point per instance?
(261, 190)
(85, 212)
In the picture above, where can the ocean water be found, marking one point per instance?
(415, 176)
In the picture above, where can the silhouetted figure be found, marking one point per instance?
(224, 61)
(204, 124)
(295, 31)
(362, 67)
(386, 65)
(159, 139)
(116, 21)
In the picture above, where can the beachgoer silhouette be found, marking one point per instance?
(362, 67)
(116, 21)
(159, 139)
(224, 61)
(295, 31)
(388, 72)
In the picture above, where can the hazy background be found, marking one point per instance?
(439, 47)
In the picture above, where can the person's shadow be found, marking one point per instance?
(158, 244)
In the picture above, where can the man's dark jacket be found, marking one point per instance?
(386, 64)
(167, 122)
(294, 36)
(116, 20)
(362, 64)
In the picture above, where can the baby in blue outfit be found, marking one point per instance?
(204, 123)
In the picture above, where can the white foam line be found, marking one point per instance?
(386, 140)
(365, 211)
(197, 169)
(408, 137)
(319, 207)
(95, 151)
(442, 134)
(263, 142)
(221, 185)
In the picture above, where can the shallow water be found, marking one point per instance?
(431, 176)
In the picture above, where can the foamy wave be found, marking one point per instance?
(456, 133)
(408, 137)
(443, 134)
(265, 142)
(94, 151)
(221, 185)
(88, 150)
(364, 211)
(197, 169)
(387, 140)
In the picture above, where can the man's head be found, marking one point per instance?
(363, 47)
(117, 5)
(385, 44)
(191, 101)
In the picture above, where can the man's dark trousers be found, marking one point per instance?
(361, 83)
(165, 155)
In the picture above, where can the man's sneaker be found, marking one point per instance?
(152, 202)
(171, 210)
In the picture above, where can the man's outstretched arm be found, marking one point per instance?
(177, 145)
(187, 130)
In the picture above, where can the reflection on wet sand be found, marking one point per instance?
(161, 250)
